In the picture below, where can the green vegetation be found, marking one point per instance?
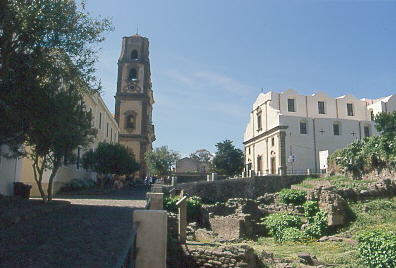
(48, 52)
(279, 225)
(375, 214)
(378, 248)
(317, 225)
(194, 205)
(110, 159)
(228, 160)
(338, 182)
(310, 208)
(78, 184)
(292, 196)
(374, 153)
(161, 160)
(287, 227)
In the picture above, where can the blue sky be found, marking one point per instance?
(210, 59)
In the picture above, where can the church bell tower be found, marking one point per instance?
(134, 98)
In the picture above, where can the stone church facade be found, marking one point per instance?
(291, 133)
(134, 98)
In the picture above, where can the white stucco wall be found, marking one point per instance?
(275, 118)
(12, 170)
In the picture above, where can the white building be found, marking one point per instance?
(288, 132)
(20, 170)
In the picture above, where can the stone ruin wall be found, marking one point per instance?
(222, 190)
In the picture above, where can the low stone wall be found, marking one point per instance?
(381, 188)
(222, 190)
(223, 257)
(188, 178)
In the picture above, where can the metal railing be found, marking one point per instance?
(127, 257)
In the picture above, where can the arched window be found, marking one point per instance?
(133, 74)
(130, 121)
(134, 54)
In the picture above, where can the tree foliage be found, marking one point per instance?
(110, 159)
(228, 159)
(161, 160)
(202, 155)
(386, 123)
(63, 125)
(42, 41)
(374, 153)
(47, 56)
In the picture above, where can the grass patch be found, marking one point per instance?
(375, 214)
(336, 181)
(337, 254)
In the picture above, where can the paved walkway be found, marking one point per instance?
(91, 232)
(133, 198)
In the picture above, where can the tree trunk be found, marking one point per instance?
(38, 177)
(51, 179)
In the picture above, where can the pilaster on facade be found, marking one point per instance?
(288, 131)
(134, 97)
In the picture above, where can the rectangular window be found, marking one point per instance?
(372, 116)
(107, 130)
(350, 109)
(259, 121)
(303, 128)
(272, 141)
(366, 131)
(100, 120)
(111, 134)
(336, 129)
(249, 149)
(321, 107)
(290, 105)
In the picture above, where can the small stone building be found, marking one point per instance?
(188, 165)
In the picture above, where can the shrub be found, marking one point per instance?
(292, 196)
(310, 209)
(78, 184)
(170, 204)
(194, 205)
(317, 225)
(293, 234)
(377, 248)
(278, 222)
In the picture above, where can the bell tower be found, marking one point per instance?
(134, 98)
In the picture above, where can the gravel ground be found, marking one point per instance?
(88, 233)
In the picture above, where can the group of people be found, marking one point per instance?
(149, 180)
